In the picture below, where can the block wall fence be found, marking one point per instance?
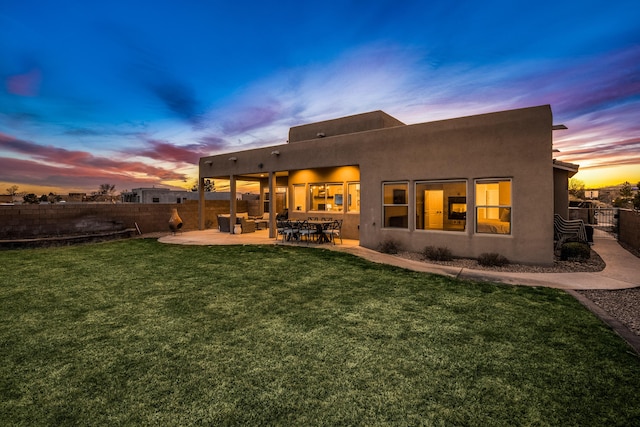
(38, 221)
(629, 228)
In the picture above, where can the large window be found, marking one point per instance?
(493, 206)
(396, 204)
(441, 205)
(327, 197)
(353, 197)
(299, 199)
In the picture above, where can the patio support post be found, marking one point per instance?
(272, 205)
(233, 205)
(201, 204)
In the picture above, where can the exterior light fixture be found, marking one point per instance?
(208, 162)
(233, 159)
(559, 127)
(320, 135)
(275, 153)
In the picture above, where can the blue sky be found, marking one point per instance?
(132, 93)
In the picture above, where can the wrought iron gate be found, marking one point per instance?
(605, 219)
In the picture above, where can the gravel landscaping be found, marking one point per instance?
(593, 264)
(623, 304)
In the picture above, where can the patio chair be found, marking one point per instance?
(308, 230)
(281, 226)
(290, 230)
(568, 230)
(248, 226)
(224, 224)
(333, 231)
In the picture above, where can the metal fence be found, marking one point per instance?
(605, 219)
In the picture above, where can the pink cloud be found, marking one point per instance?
(26, 84)
(77, 164)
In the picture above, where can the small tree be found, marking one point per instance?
(626, 198)
(209, 185)
(106, 192)
(53, 198)
(13, 192)
(31, 199)
(576, 188)
(625, 190)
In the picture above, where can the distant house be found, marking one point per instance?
(485, 183)
(166, 195)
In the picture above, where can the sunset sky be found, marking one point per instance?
(132, 93)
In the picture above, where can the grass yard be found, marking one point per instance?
(139, 333)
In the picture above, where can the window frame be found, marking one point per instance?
(357, 201)
(445, 203)
(499, 206)
(304, 205)
(311, 203)
(385, 205)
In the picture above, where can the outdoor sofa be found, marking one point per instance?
(224, 223)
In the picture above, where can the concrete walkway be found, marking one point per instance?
(622, 268)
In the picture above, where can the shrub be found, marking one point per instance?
(389, 246)
(575, 251)
(437, 253)
(492, 259)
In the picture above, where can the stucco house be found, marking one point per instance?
(484, 183)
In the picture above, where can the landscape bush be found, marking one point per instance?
(575, 251)
(438, 253)
(492, 259)
(389, 246)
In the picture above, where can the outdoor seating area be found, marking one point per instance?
(247, 225)
(312, 230)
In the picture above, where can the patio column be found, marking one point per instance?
(233, 205)
(201, 203)
(272, 205)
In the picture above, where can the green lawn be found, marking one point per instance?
(139, 333)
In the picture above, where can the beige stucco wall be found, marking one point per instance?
(344, 125)
(512, 144)
(561, 192)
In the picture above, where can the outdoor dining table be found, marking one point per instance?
(321, 225)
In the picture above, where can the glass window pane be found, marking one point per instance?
(326, 197)
(353, 197)
(395, 194)
(493, 207)
(396, 216)
(299, 202)
(441, 206)
(334, 198)
(317, 193)
(396, 209)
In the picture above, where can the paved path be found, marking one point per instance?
(622, 269)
